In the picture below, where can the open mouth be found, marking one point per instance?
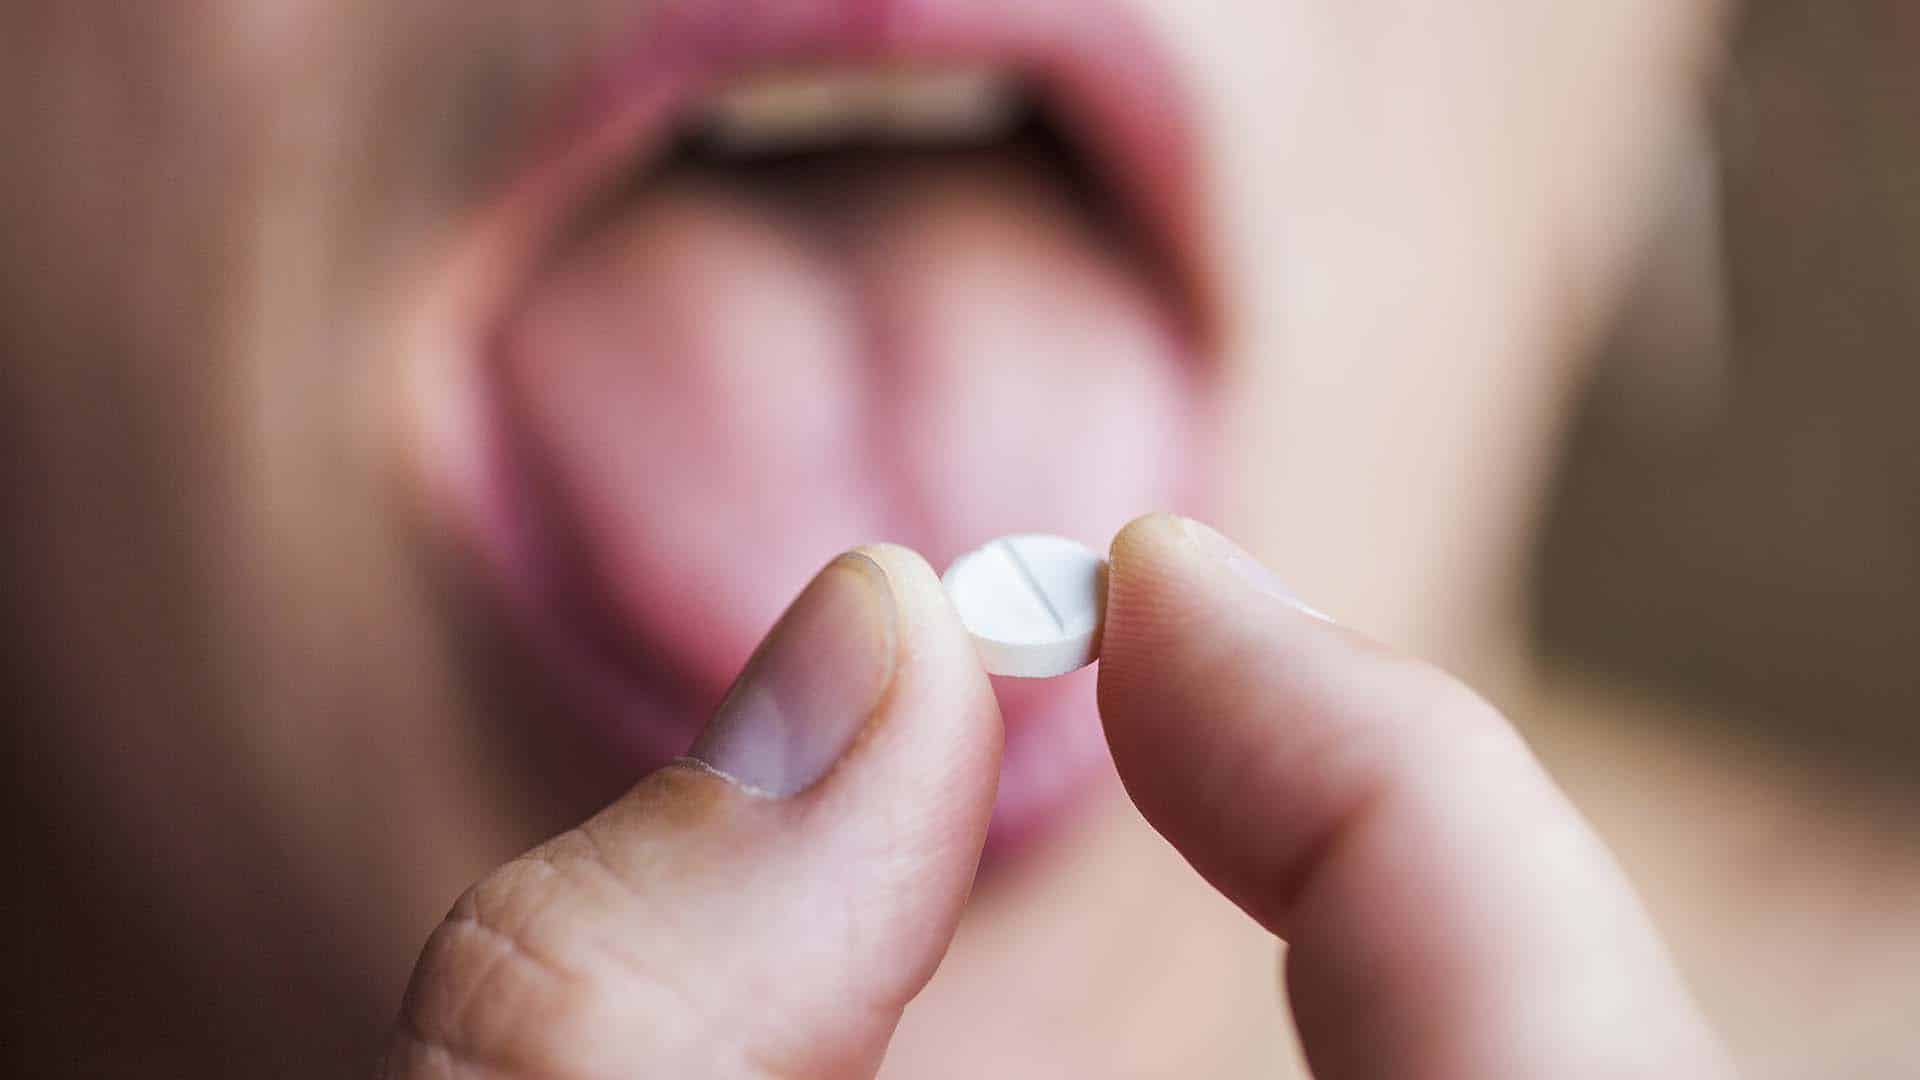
(806, 275)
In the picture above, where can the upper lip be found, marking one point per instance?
(1094, 64)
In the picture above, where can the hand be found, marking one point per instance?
(768, 907)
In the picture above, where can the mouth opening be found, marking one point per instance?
(927, 277)
(818, 136)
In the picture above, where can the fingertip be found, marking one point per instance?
(897, 559)
(916, 588)
(932, 746)
(939, 669)
(1154, 595)
(1143, 537)
(1185, 604)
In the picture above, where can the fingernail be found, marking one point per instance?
(810, 687)
(1246, 567)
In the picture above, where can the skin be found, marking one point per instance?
(269, 727)
(1356, 803)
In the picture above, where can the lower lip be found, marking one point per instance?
(476, 482)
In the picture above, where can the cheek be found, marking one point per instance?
(1419, 204)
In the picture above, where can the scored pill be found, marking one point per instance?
(1034, 604)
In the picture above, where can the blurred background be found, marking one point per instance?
(1725, 604)
(1721, 653)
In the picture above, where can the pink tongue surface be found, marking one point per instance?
(728, 383)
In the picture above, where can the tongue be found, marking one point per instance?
(732, 381)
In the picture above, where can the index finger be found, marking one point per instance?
(1448, 912)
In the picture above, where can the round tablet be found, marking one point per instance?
(1034, 604)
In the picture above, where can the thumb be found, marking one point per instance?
(766, 907)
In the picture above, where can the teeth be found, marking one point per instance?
(798, 111)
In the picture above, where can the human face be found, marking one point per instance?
(406, 460)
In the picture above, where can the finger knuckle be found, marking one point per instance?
(523, 978)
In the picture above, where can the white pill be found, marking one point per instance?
(1034, 604)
